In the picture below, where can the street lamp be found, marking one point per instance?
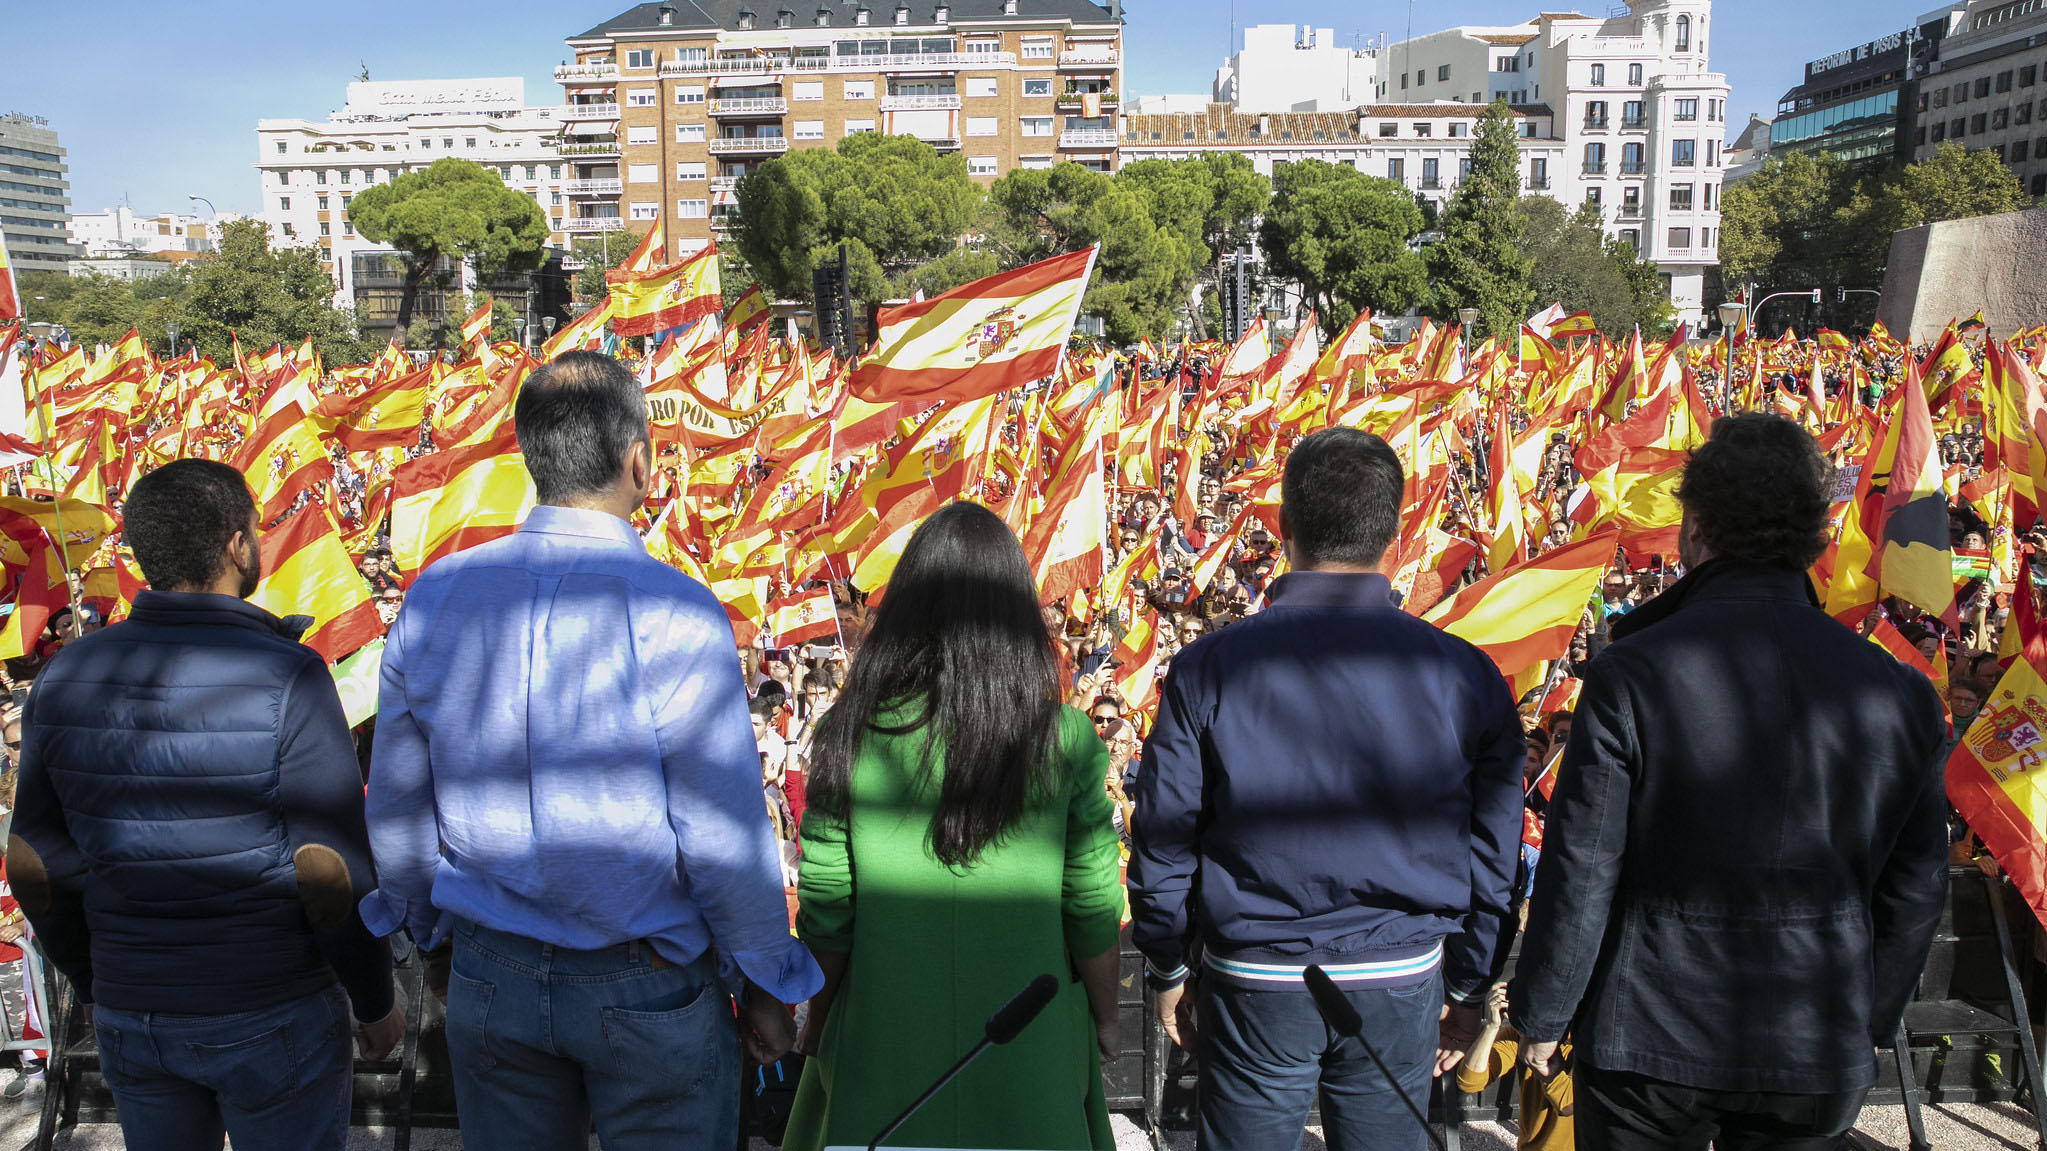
(1468, 316)
(1730, 321)
(547, 324)
(211, 210)
(519, 331)
(171, 329)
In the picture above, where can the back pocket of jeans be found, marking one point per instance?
(469, 1019)
(250, 1074)
(691, 1040)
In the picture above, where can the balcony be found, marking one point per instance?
(924, 60)
(1634, 122)
(749, 145)
(1630, 211)
(576, 112)
(931, 102)
(1595, 123)
(601, 72)
(576, 224)
(775, 65)
(724, 183)
(1088, 138)
(1090, 58)
(587, 148)
(611, 187)
(1538, 183)
(1073, 101)
(750, 106)
(1634, 168)
(1432, 183)
(744, 65)
(1592, 169)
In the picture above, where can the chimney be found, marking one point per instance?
(667, 15)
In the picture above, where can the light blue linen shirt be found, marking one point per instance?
(563, 752)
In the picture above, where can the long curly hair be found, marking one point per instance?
(1758, 490)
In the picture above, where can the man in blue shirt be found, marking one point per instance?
(565, 785)
(1330, 782)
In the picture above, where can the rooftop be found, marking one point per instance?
(1219, 123)
(717, 15)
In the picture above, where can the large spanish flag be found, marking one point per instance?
(10, 298)
(997, 333)
(1913, 552)
(582, 334)
(643, 303)
(1992, 779)
(307, 572)
(1525, 616)
(447, 501)
(748, 310)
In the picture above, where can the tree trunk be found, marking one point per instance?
(415, 274)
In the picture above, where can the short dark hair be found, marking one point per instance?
(179, 519)
(575, 419)
(1340, 497)
(1757, 491)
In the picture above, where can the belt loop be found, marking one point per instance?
(634, 956)
(547, 953)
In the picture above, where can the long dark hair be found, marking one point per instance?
(958, 640)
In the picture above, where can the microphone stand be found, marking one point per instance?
(949, 1076)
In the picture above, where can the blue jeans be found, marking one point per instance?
(544, 1041)
(1265, 1053)
(277, 1079)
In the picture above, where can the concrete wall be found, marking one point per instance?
(1946, 271)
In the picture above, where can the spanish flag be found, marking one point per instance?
(447, 501)
(44, 589)
(1991, 776)
(647, 256)
(748, 310)
(1914, 560)
(800, 616)
(989, 336)
(307, 572)
(582, 334)
(10, 298)
(476, 329)
(643, 303)
(1525, 616)
(1575, 324)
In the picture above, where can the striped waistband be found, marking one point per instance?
(1408, 970)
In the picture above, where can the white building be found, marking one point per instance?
(310, 169)
(119, 232)
(1629, 97)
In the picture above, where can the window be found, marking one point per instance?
(280, 147)
(555, 198)
(533, 170)
(320, 177)
(554, 171)
(504, 173)
(1431, 174)
(642, 210)
(1708, 191)
(1599, 75)
(1388, 131)
(1443, 72)
(320, 202)
(639, 58)
(981, 166)
(1684, 34)
(284, 203)
(853, 126)
(426, 144)
(1421, 77)
(1595, 114)
(1507, 64)
(1684, 153)
(1460, 131)
(981, 87)
(1957, 126)
(1939, 97)
(1632, 238)
(1939, 132)
(859, 90)
(1039, 87)
(2023, 114)
(2029, 75)
(1037, 48)
(1680, 197)
(1595, 158)
(1680, 237)
(1035, 126)
(809, 90)
(347, 229)
(689, 133)
(639, 134)
(689, 170)
(1424, 130)
(1976, 124)
(2040, 185)
(1687, 110)
(447, 143)
(2004, 81)
(1035, 163)
(692, 209)
(1593, 195)
(2001, 118)
(1403, 80)
(809, 130)
(639, 97)
(643, 173)
(1631, 200)
(2040, 148)
(694, 94)
(1631, 114)
(1919, 137)
(1538, 172)
(1396, 169)
(323, 228)
(1634, 75)
(981, 126)
(469, 142)
(1983, 88)
(1631, 159)
(1962, 93)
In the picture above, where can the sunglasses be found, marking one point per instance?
(1105, 719)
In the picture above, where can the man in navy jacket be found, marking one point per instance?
(189, 841)
(1331, 782)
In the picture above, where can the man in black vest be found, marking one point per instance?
(189, 843)
(1746, 853)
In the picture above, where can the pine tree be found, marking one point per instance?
(1478, 263)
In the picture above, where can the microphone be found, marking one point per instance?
(1337, 1012)
(1006, 1024)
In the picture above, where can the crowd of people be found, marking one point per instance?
(1242, 710)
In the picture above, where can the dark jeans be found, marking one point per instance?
(545, 1040)
(1622, 1111)
(1265, 1053)
(272, 1079)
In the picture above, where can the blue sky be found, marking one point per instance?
(157, 100)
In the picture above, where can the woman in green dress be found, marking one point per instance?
(957, 844)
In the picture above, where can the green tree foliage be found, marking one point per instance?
(1210, 202)
(1479, 263)
(1573, 262)
(598, 254)
(1346, 238)
(455, 208)
(261, 295)
(1804, 222)
(894, 201)
(1143, 268)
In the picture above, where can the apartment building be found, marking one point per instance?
(309, 170)
(1423, 146)
(669, 104)
(1981, 86)
(35, 195)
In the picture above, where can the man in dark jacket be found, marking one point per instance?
(1745, 855)
(189, 841)
(1330, 782)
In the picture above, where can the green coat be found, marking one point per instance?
(934, 952)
